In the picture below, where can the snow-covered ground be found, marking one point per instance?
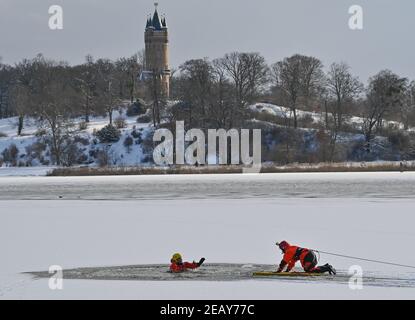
(283, 112)
(117, 152)
(8, 126)
(89, 233)
(25, 172)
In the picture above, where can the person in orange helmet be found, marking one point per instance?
(307, 257)
(178, 266)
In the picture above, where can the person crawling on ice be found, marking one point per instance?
(178, 266)
(307, 257)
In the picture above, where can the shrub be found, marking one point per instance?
(145, 118)
(93, 153)
(108, 134)
(103, 158)
(267, 117)
(399, 140)
(83, 158)
(81, 140)
(13, 151)
(306, 121)
(128, 142)
(136, 134)
(120, 123)
(36, 149)
(41, 132)
(70, 154)
(136, 109)
(351, 127)
(44, 162)
(323, 140)
(10, 154)
(83, 126)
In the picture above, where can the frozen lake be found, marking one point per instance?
(82, 234)
(266, 186)
(233, 221)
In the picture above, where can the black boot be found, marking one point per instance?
(327, 268)
(330, 269)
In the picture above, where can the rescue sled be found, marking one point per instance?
(286, 274)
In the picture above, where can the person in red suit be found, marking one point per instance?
(307, 257)
(178, 266)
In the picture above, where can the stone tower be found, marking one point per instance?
(157, 53)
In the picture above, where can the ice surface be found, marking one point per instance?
(262, 186)
(74, 234)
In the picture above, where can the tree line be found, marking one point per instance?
(206, 93)
(217, 93)
(46, 88)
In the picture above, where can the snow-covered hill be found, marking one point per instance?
(32, 151)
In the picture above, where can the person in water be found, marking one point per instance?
(178, 266)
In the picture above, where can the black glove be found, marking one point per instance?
(281, 267)
(201, 262)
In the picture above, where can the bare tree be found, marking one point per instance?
(342, 88)
(154, 93)
(313, 79)
(248, 73)
(51, 98)
(195, 88)
(127, 71)
(297, 77)
(407, 109)
(23, 86)
(20, 100)
(223, 102)
(6, 74)
(385, 93)
(85, 81)
(108, 90)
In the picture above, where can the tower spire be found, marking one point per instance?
(148, 25)
(156, 18)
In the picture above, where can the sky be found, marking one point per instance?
(211, 28)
